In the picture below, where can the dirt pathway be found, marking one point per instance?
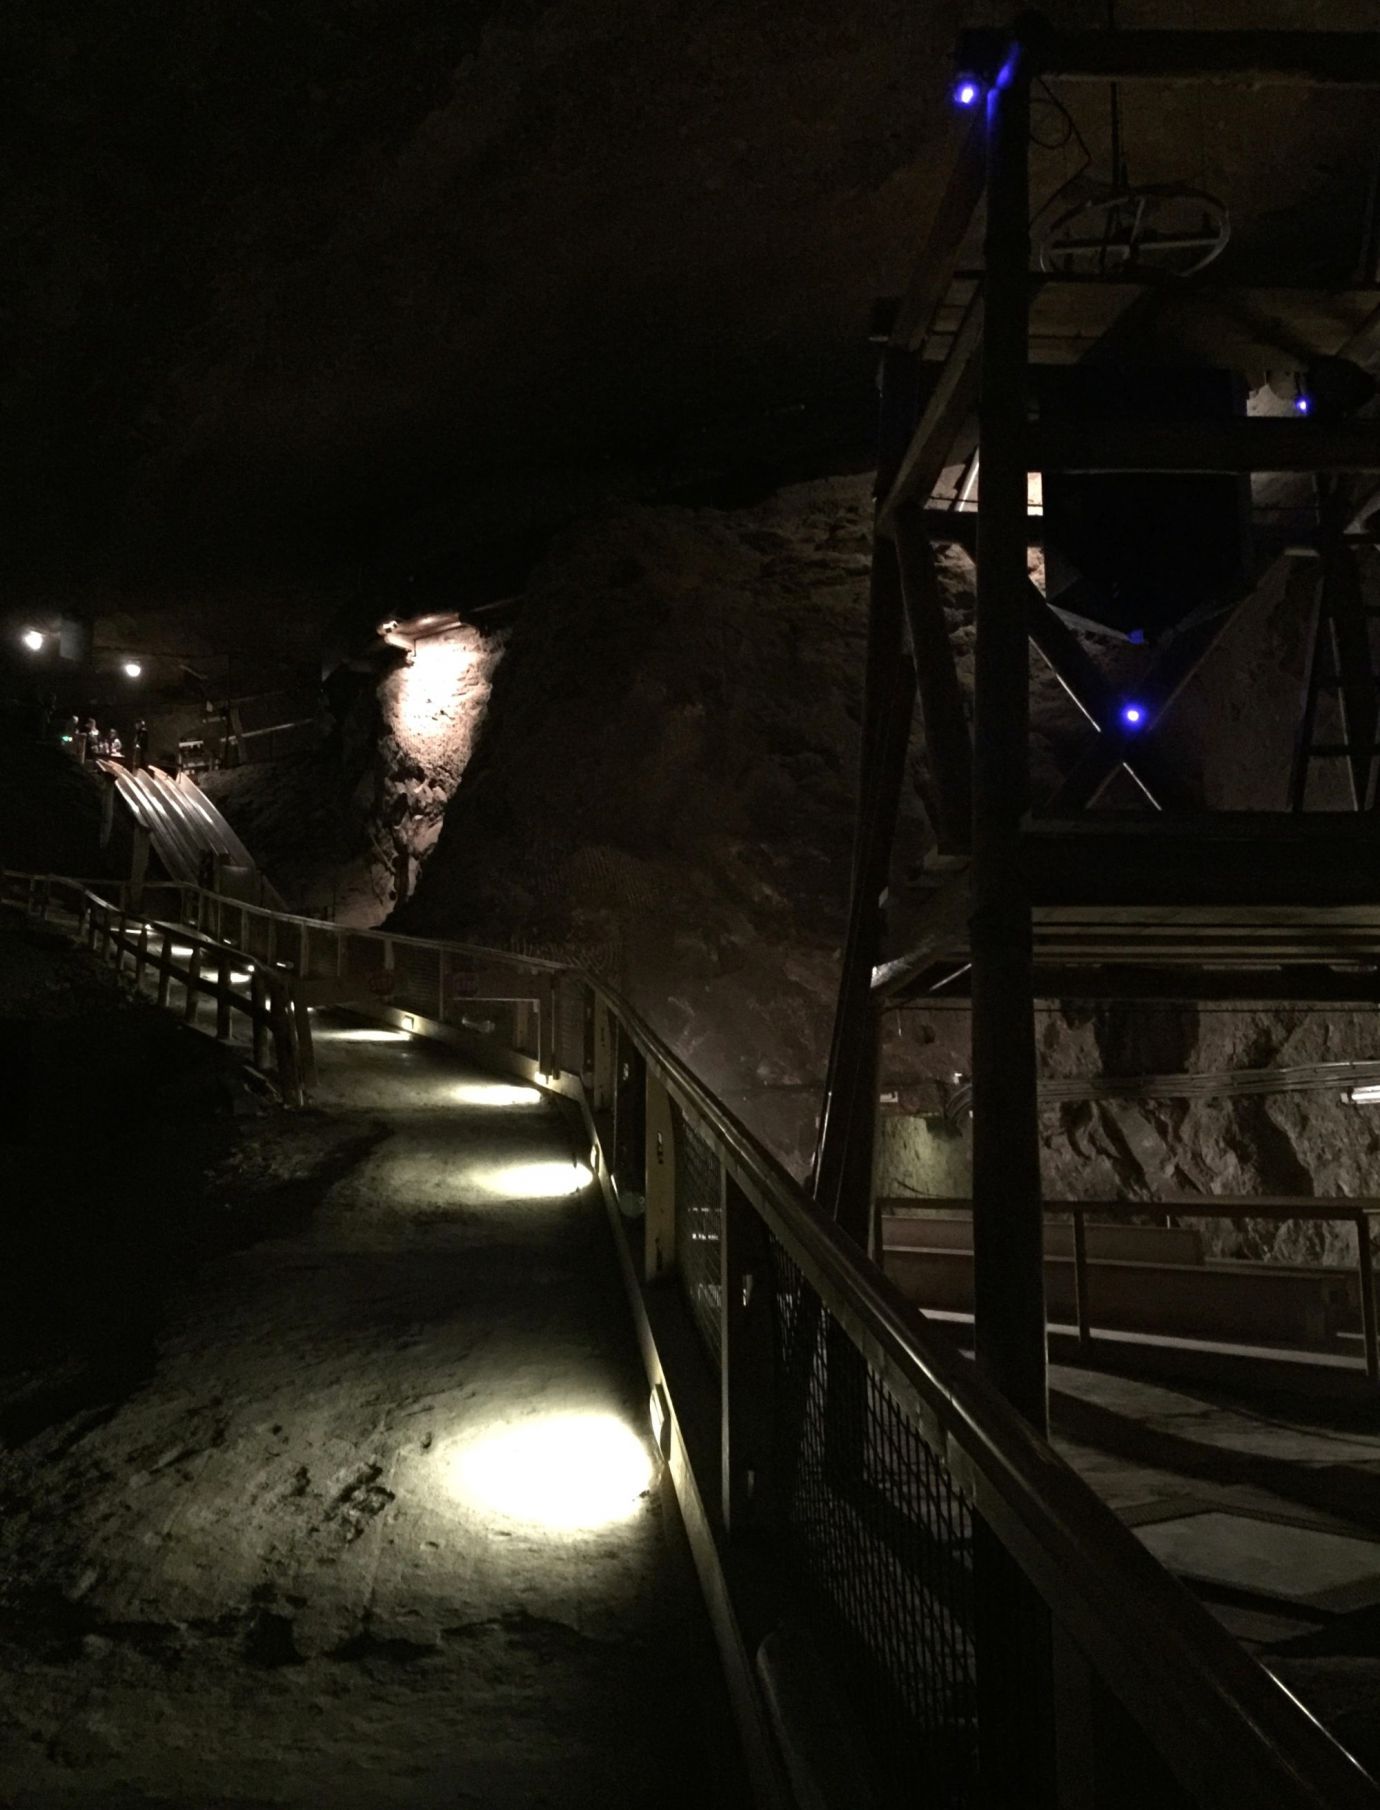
(382, 1527)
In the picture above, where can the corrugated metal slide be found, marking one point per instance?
(184, 826)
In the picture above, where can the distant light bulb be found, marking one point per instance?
(32, 639)
(132, 669)
(1133, 715)
(967, 92)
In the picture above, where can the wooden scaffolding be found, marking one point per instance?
(1171, 903)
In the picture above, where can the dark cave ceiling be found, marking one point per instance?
(316, 284)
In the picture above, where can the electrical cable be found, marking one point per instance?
(1072, 136)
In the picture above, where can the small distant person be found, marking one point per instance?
(141, 743)
(114, 747)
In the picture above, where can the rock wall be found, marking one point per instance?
(345, 831)
(664, 789)
(664, 785)
(658, 780)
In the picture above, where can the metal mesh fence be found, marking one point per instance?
(878, 1544)
(699, 1220)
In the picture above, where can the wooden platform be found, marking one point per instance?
(1250, 330)
(1256, 905)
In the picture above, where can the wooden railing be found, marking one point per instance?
(174, 952)
(1281, 1208)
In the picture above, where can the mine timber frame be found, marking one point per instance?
(1181, 901)
(1170, 906)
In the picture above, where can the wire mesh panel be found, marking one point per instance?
(699, 1223)
(878, 1544)
(416, 979)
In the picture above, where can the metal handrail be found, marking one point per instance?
(1154, 1644)
(1223, 1725)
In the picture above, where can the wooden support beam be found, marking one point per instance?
(947, 737)
(949, 406)
(258, 1017)
(1254, 59)
(938, 256)
(842, 1174)
(1008, 1266)
(1250, 443)
(306, 1049)
(1295, 984)
(659, 1220)
(1342, 610)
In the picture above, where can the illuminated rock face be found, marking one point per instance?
(432, 711)
(664, 784)
(348, 830)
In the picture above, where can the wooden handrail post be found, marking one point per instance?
(192, 984)
(602, 1084)
(164, 966)
(306, 1049)
(222, 996)
(141, 954)
(258, 1016)
(587, 1037)
(547, 1061)
(1365, 1266)
(748, 1367)
(659, 1225)
(289, 1077)
(1080, 1281)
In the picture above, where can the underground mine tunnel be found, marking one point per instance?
(690, 906)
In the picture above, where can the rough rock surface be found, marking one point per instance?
(293, 1566)
(345, 831)
(664, 786)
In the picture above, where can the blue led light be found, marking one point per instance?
(1302, 404)
(1133, 715)
(967, 92)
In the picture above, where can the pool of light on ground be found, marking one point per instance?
(571, 1472)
